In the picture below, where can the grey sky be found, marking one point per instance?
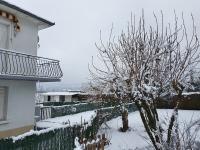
(78, 23)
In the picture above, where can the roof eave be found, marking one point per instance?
(47, 22)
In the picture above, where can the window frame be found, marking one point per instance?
(10, 33)
(5, 108)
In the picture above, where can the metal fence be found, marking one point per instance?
(23, 66)
(45, 113)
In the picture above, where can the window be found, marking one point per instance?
(5, 43)
(49, 98)
(3, 103)
(62, 98)
(4, 35)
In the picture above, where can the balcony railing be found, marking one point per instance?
(20, 66)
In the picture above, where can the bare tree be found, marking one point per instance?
(145, 63)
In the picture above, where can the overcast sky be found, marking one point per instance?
(78, 24)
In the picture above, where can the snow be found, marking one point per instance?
(68, 105)
(57, 123)
(136, 137)
(33, 132)
(190, 93)
(68, 119)
(61, 93)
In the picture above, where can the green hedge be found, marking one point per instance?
(58, 103)
(58, 139)
(57, 111)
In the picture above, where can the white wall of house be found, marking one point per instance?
(26, 40)
(20, 104)
(68, 98)
(55, 98)
(21, 94)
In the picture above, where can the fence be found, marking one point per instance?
(46, 112)
(58, 139)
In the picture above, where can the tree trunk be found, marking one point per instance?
(149, 120)
(124, 121)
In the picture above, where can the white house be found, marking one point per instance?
(21, 68)
(68, 96)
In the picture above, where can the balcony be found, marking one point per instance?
(18, 66)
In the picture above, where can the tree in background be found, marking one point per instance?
(145, 63)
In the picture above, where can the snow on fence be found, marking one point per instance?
(55, 139)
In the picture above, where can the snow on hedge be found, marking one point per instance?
(33, 132)
(58, 123)
(191, 93)
(75, 119)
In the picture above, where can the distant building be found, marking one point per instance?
(21, 68)
(69, 96)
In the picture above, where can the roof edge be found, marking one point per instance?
(26, 12)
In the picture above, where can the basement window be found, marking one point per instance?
(3, 103)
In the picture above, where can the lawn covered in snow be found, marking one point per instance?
(136, 137)
(67, 120)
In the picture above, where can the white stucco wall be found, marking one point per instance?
(21, 93)
(68, 98)
(21, 104)
(53, 98)
(24, 41)
(56, 98)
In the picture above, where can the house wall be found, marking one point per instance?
(20, 107)
(21, 94)
(53, 98)
(44, 98)
(68, 98)
(75, 98)
(24, 41)
(39, 98)
(56, 98)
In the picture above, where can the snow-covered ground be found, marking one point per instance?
(67, 120)
(136, 137)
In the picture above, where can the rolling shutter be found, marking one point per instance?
(4, 38)
(2, 103)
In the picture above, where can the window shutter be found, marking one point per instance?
(2, 103)
(4, 40)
